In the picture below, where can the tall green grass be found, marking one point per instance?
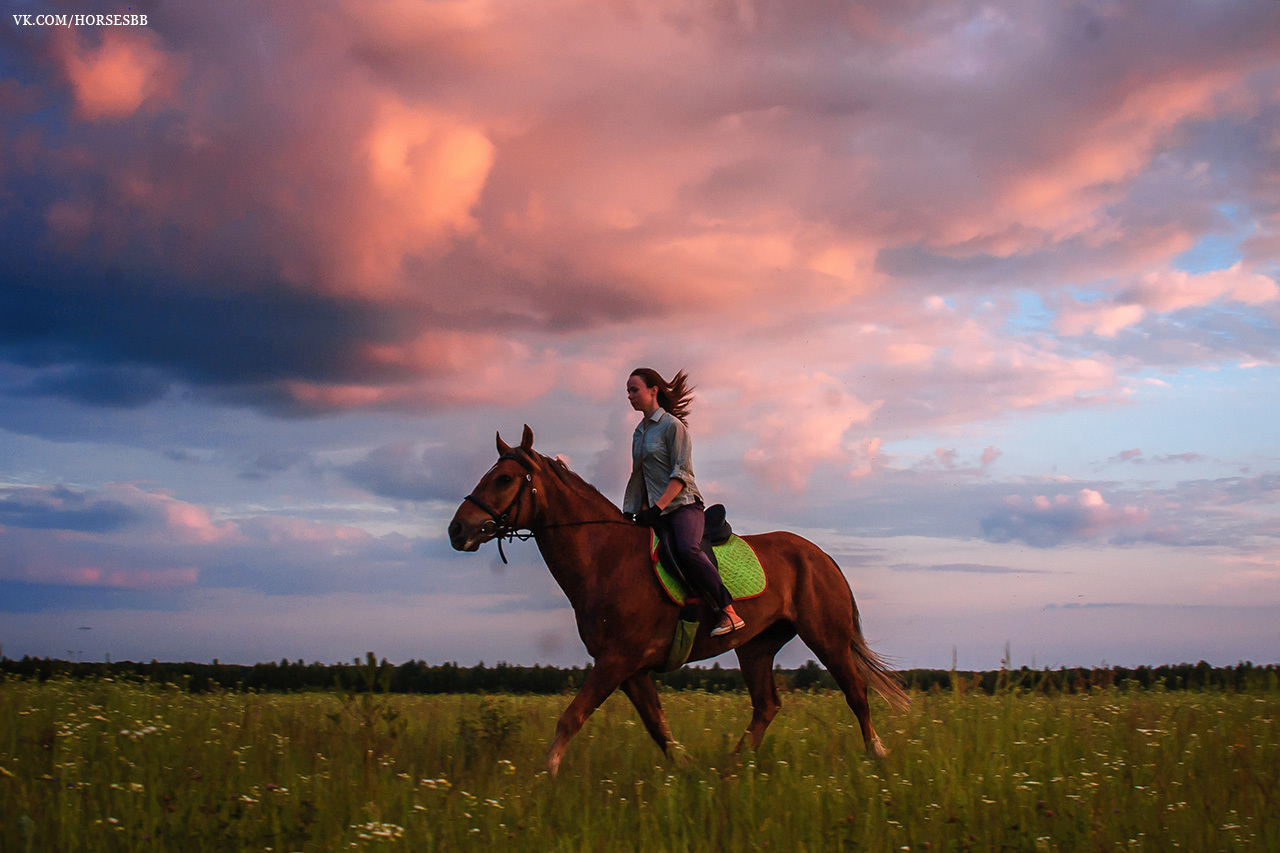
(106, 766)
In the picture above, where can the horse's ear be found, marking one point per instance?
(503, 447)
(526, 440)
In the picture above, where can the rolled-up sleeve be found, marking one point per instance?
(661, 451)
(680, 450)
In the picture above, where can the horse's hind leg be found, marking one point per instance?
(755, 659)
(644, 695)
(836, 654)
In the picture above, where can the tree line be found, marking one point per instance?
(417, 676)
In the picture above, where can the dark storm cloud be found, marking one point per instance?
(115, 386)
(94, 321)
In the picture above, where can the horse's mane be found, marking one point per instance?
(574, 481)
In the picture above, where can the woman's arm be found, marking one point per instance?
(673, 488)
(680, 452)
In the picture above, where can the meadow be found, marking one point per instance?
(103, 765)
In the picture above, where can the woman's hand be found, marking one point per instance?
(648, 516)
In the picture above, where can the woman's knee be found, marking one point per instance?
(687, 553)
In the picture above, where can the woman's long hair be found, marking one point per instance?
(674, 396)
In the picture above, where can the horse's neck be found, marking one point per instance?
(579, 555)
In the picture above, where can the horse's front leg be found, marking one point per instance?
(605, 677)
(642, 693)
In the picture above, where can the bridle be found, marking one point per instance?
(502, 526)
(505, 528)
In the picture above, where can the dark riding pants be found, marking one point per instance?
(685, 526)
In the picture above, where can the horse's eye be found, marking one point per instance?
(504, 479)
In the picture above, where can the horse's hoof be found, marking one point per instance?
(679, 755)
(876, 749)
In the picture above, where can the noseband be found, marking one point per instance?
(504, 528)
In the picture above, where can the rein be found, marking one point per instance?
(503, 528)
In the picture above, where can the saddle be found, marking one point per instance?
(715, 532)
(739, 568)
(733, 557)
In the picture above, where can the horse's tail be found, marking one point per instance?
(875, 669)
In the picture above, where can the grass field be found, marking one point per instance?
(100, 765)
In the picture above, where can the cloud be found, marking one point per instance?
(965, 568)
(1136, 457)
(1164, 292)
(312, 249)
(122, 536)
(122, 73)
(269, 462)
(60, 508)
(406, 471)
(1044, 521)
(116, 508)
(115, 386)
(472, 194)
(811, 416)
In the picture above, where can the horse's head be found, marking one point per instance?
(502, 501)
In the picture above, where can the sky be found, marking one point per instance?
(981, 297)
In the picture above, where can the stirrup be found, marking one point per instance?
(733, 625)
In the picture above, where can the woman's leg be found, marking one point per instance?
(686, 526)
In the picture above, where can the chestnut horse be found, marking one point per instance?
(601, 561)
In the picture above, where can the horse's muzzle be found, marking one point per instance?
(463, 540)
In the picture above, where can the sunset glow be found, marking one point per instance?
(982, 299)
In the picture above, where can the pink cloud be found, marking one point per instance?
(1105, 320)
(279, 530)
(512, 193)
(113, 576)
(442, 368)
(137, 578)
(127, 537)
(426, 173)
(1046, 521)
(868, 459)
(1165, 291)
(125, 71)
(1171, 290)
(800, 422)
(1064, 194)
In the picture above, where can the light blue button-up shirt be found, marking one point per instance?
(660, 452)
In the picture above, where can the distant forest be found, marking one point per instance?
(416, 676)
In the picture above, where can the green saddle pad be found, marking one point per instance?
(740, 570)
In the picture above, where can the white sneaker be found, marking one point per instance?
(727, 625)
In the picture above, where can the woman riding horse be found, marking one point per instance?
(662, 464)
(626, 621)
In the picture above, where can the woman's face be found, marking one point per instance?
(642, 397)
